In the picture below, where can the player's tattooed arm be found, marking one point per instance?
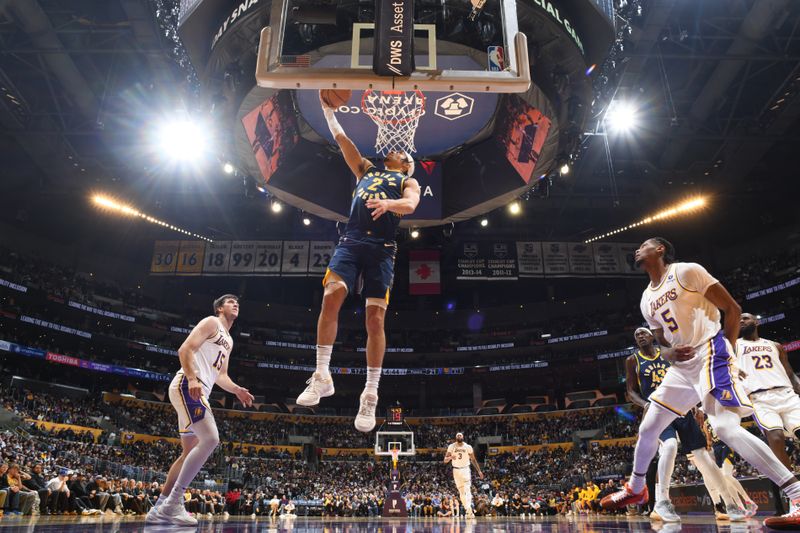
(632, 384)
(784, 357)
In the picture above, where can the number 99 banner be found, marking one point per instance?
(248, 258)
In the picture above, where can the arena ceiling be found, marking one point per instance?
(715, 82)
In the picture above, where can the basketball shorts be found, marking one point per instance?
(723, 453)
(463, 478)
(685, 427)
(370, 261)
(189, 410)
(708, 374)
(777, 408)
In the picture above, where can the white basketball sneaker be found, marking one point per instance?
(153, 516)
(176, 514)
(365, 420)
(318, 387)
(665, 512)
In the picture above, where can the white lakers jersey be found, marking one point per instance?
(678, 305)
(761, 361)
(209, 359)
(460, 454)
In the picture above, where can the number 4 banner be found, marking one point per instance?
(295, 258)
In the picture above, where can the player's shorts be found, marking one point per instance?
(685, 427)
(462, 477)
(189, 410)
(722, 452)
(708, 374)
(372, 260)
(777, 408)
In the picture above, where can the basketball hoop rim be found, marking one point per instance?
(415, 116)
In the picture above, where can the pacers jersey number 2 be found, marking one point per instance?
(380, 185)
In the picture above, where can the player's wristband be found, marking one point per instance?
(333, 124)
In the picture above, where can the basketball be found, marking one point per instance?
(335, 97)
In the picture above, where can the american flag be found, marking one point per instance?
(296, 61)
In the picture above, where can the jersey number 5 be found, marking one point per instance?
(218, 361)
(671, 324)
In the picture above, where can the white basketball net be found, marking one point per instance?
(397, 114)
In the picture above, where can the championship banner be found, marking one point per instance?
(581, 259)
(606, 258)
(529, 259)
(556, 259)
(424, 272)
(487, 261)
(394, 38)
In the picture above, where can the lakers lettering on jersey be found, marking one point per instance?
(379, 185)
(460, 454)
(211, 357)
(677, 305)
(760, 360)
(650, 371)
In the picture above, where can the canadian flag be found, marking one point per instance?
(424, 272)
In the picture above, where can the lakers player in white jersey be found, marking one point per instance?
(773, 386)
(204, 357)
(682, 306)
(460, 454)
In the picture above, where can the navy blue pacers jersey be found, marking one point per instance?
(651, 371)
(381, 185)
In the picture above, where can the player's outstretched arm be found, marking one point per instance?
(718, 295)
(204, 329)
(225, 381)
(448, 456)
(358, 164)
(632, 384)
(788, 368)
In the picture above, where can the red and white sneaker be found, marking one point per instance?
(625, 497)
(788, 522)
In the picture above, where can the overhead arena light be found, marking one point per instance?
(415, 233)
(228, 168)
(110, 204)
(683, 208)
(621, 117)
(484, 222)
(514, 208)
(182, 139)
(306, 221)
(276, 206)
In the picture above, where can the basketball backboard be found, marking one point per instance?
(401, 441)
(320, 44)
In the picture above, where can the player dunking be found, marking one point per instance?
(773, 385)
(204, 357)
(682, 305)
(366, 249)
(645, 371)
(461, 455)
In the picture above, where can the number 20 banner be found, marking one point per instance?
(248, 258)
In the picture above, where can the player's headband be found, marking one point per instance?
(460, 435)
(643, 329)
(410, 160)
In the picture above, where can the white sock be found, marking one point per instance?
(667, 452)
(161, 499)
(793, 491)
(654, 422)
(373, 378)
(324, 360)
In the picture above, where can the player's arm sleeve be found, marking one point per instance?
(694, 277)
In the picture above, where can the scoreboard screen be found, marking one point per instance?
(394, 415)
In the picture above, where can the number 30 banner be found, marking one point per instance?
(242, 258)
